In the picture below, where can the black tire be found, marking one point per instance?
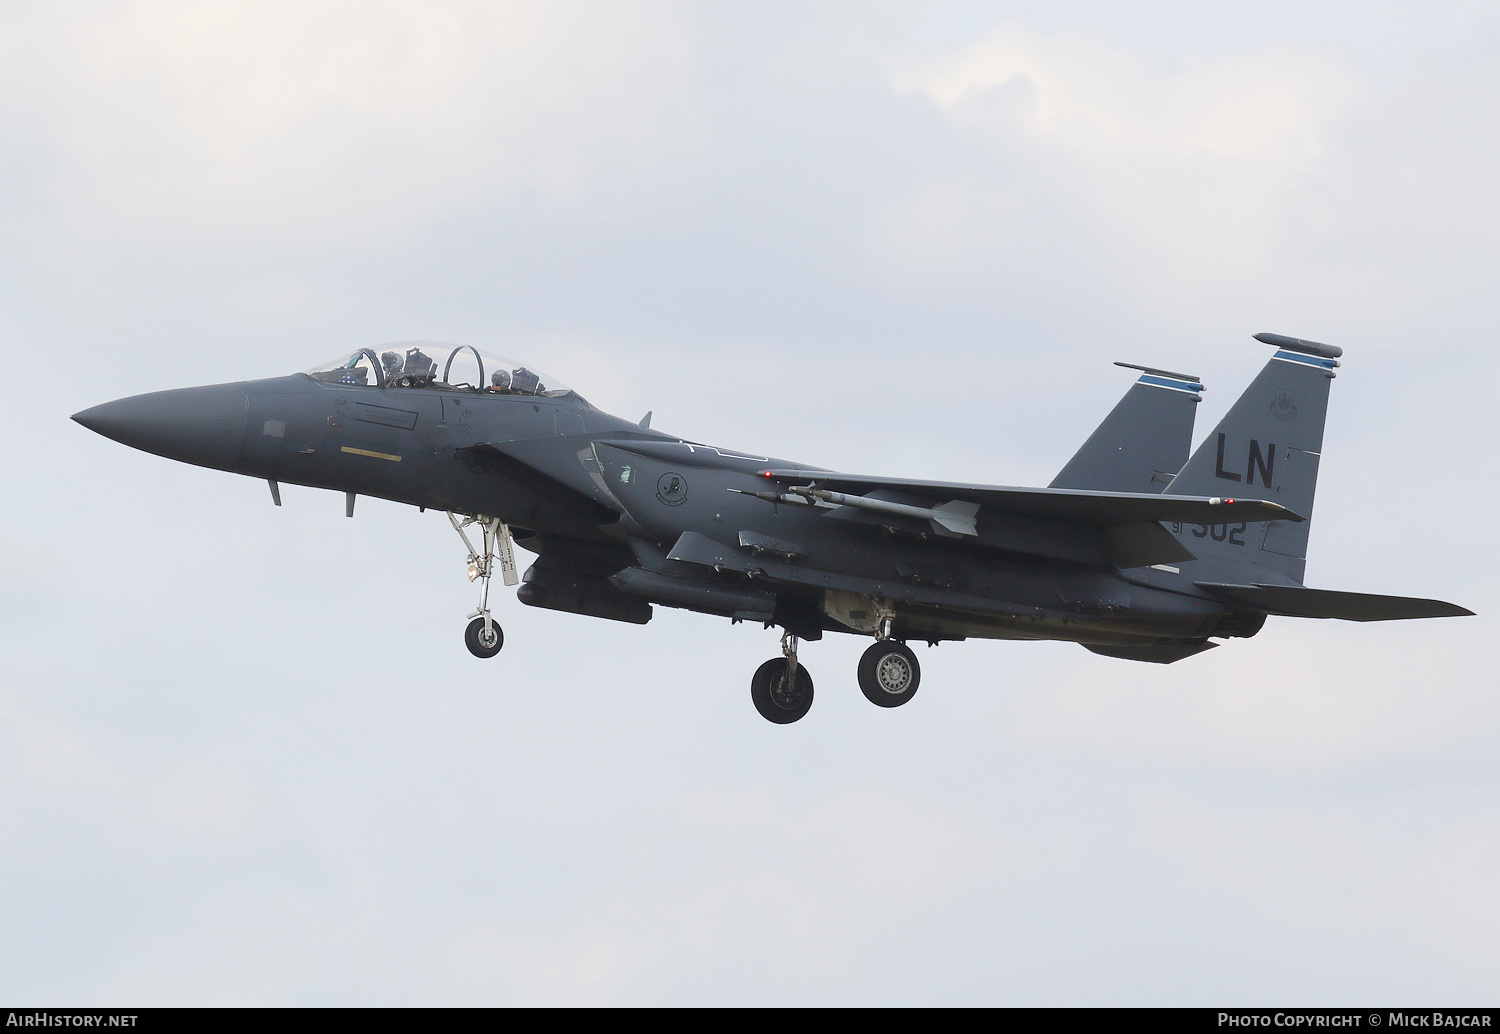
(474, 638)
(889, 674)
(768, 691)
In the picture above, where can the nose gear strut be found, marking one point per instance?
(483, 636)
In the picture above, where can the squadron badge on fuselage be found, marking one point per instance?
(671, 489)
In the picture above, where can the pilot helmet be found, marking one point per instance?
(391, 361)
(500, 381)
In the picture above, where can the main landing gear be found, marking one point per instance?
(483, 637)
(782, 690)
(889, 673)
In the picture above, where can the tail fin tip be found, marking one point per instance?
(1297, 344)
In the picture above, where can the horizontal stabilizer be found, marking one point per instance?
(1301, 602)
(1103, 509)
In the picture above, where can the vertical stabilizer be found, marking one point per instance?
(1143, 442)
(1267, 447)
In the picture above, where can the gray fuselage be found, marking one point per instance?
(622, 515)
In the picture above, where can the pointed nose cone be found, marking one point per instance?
(195, 425)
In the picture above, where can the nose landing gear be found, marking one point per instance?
(483, 637)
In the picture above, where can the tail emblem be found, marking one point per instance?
(1284, 405)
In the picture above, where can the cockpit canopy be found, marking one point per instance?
(434, 364)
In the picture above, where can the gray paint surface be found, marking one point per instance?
(624, 516)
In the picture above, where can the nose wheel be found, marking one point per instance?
(483, 637)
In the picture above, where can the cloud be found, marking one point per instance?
(341, 123)
(1105, 101)
(1191, 162)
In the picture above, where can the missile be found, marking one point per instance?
(956, 516)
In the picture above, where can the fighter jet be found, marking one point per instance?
(1136, 551)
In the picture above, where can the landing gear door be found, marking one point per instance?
(505, 553)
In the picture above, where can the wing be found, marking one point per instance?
(1101, 509)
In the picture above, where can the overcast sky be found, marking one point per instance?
(244, 755)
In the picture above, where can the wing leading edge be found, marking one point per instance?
(1102, 509)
